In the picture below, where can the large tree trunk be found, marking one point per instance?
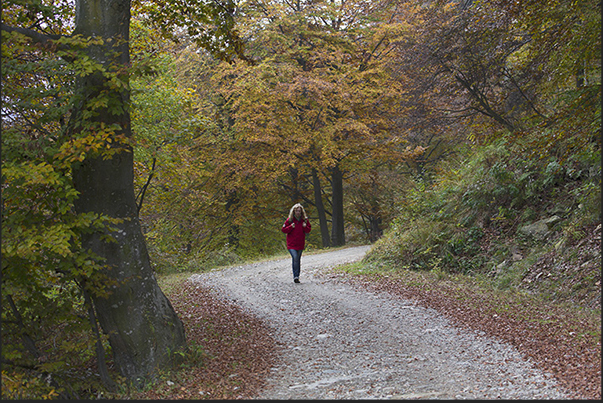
(322, 216)
(142, 325)
(337, 228)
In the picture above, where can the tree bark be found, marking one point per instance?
(337, 228)
(320, 208)
(142, 325)
(375, 225)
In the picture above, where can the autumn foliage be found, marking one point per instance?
(427, 127)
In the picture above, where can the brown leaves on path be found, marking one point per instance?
(235, 349)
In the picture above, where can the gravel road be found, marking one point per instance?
(339, 342)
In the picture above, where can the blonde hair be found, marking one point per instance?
(292, 212)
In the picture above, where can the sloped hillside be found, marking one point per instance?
(504, 214)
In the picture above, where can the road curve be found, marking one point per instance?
(341, 342)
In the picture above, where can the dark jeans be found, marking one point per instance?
(296, 258)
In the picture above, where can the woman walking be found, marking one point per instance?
(296, 227)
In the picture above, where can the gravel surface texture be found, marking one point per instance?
(340, 342)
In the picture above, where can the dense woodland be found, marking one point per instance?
(145, 138)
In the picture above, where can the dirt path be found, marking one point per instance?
(339, 342)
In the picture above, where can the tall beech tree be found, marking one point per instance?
(142, 327)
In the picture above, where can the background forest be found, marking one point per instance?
(457, 137)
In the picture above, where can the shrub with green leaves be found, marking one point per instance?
(495, 189)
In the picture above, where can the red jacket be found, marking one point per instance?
(296, 237)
